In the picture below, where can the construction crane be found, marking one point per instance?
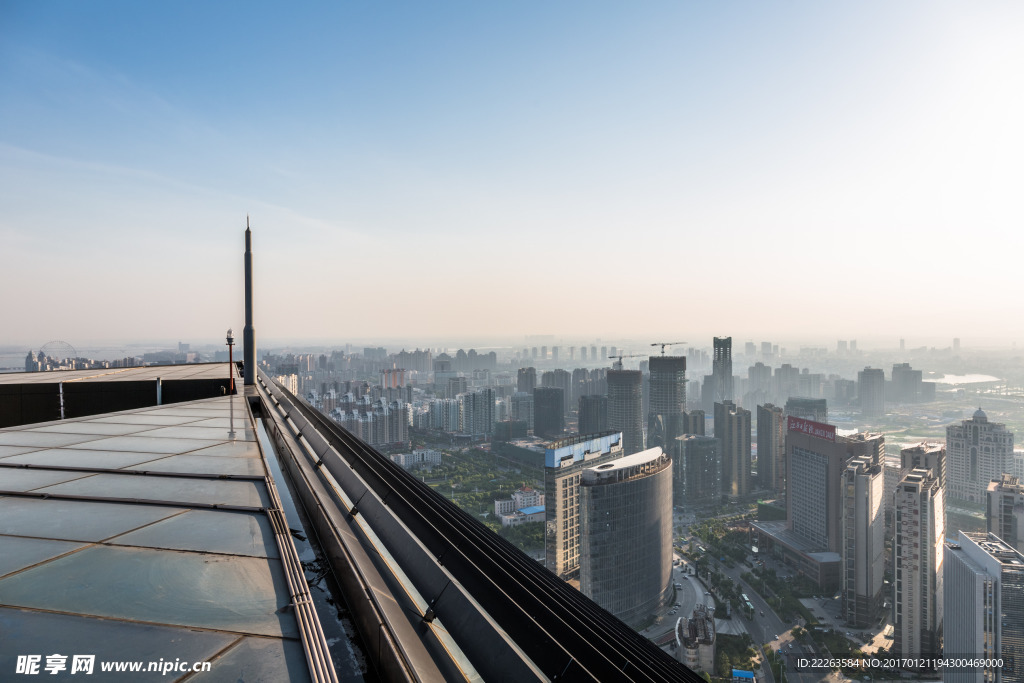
(664, 344)
(617, 365)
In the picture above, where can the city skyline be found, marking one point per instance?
(461, 150)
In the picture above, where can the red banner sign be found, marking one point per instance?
(816, 429)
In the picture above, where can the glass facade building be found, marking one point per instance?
(626, 534)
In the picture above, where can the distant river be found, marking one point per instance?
(963, 379)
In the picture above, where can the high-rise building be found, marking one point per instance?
(983, 585)
(871, 389)
(667, 400)
(928, 456)
(1004, 514)
(918, 544)
(693, 422)
(554, 354)
(766, 351)
(816, 458)
(527, 380)
(477, 412)
(521, 408)
(593, 414)
(559, 379)
(626, 534)
(813, 409)
(696, 471)
(548, 412)
(771, 447)
(863, 540)
(721, 369)
(564, 459)
(625, 406)
(977, 451)
(456, 386)
(583, 353)
(732, 429)
(906, 384)
(759, 382)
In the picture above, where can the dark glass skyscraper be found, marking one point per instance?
(625, 408)
(667, 400)
(732, 429)
(548, 412)
(593, 414)
(721, 369)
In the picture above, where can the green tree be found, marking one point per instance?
(723, 665)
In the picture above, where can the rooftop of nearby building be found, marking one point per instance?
(138, 374)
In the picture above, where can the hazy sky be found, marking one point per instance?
(754, 169)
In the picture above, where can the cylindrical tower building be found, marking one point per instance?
(626, 534)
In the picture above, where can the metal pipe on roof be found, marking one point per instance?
(249, 334)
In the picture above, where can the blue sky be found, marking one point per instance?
(765, 170)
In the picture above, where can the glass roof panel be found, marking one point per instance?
(202, 464)
(241, 594)
(215, 531)
(143, 444)
(75, 520)
(17, 552)
(177, 490)
(24, 479)
(75, 457)
(83, 427)
(43, 633)
(259, 659)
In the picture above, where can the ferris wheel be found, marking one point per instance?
(58, 350)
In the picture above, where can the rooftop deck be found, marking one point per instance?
(151, 534)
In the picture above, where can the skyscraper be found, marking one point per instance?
(977, 452)
(871, 389)
(920, 527)
(559, 379)
(564, 459)
(696, 471)
(771, 447)
(625, 406)
(593, 414)
(732, 429)
(721, 369)
(814, 409)
(626, 534)
(863, 541)
(906, 383)
(816, 458)
(983, 585)
(477, 412)
(548, 412)
(667, 400)
(527, 380)
(1004, 514)
(929, 456)
(521, 408)
(694, 422)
